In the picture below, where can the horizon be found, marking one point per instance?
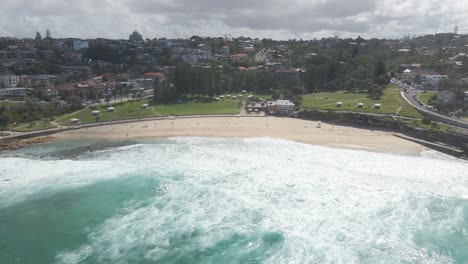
(277, 20)
(236, 37)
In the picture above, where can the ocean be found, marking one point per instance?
(219, 200)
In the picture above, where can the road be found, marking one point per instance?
(408, 96)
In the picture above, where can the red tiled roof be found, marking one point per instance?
(66, 87)
(240, 55)
(154, 74)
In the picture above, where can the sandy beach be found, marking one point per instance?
(249, 127)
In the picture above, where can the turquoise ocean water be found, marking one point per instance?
(215, 200)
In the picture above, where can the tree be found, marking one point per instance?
(75, 102)
(426, 121)
(38, 36)
(375, 91)
(382, 80)
(103, 54)
(276, 95)
(4, 118)
(380, 68)
(48, 35)
(135, 36)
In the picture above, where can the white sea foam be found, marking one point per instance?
(21, 179)
(276, 201)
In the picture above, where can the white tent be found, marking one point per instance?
(360, 105)
(144, 105)
(339, 104)
(95, 112)
(244, 91)
(74, 120)
(377, 106)
(110, 109)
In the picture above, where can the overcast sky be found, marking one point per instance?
(277, 19)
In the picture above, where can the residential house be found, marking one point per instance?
(14, 92)
(37, 81)
(431, 81)
(83, 89)
(143, 84)
(156, 76)
(226, 50)
(83, 71)
(249, 49)
(80, 44)
(426, 79)
(8, 81)
(239, 56)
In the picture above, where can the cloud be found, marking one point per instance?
(279, 19)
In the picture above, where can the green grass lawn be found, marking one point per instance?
(437, 126)
(198, 106)
(33, 126)
(128, 110)
(390, 101)
(425, 97)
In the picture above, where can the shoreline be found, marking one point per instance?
(299, 130)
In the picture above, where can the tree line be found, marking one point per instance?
(188, 80)
(31, 110)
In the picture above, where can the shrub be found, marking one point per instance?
(426, 121)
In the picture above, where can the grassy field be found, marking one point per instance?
(434, 125)
(128, 110)
(33, 126)
(133, 110)
(198, 106)
(391, 101)
(425, 97)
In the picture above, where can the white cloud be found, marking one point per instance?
(280, 19)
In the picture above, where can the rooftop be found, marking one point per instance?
(284, 102)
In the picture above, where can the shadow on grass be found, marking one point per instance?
(184, 100)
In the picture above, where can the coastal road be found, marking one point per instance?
(408, 96)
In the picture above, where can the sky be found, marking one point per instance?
(276, 19)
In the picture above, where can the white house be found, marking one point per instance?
(8, 81)
(466, 96)
(16, 92)
(143, 84)
(80, 44)
(282, 107)
(433, 80)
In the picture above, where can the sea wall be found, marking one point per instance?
(388, 122)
